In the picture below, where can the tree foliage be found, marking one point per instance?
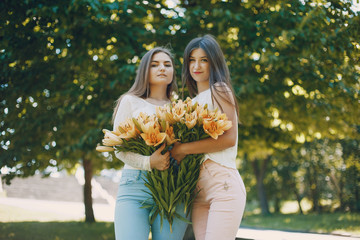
(294, 68)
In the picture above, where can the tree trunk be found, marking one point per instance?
(339, 189)
(277, 204)
(88, 172)
(356, 190)
(314, 191)
(298, 199)
(260, 175)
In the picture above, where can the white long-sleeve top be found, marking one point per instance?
(226, 157)
(131, 106)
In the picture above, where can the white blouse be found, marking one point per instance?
(226, 157)
(131, 106)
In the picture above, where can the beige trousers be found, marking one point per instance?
(220, 204)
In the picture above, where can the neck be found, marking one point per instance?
(158, 93)
(202, 86)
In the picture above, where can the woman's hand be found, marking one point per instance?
(177, 153)
(160, 161)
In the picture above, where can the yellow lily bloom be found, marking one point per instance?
(129, 128)
(146, 122)
(104, 149)
(212, 128)
(196, 108)
(153, 137)
(161, 112)
(222, 116)
(170, 135)
(178, 110)
(110, 138)
(224, 124)
(206, 114)
(191, 119)
(144, 118)
(149, 126)
(188, 100)
(189, 105)
(165, 114)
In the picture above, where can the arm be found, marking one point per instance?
(155, 161)
(135, 160)
(228, 139)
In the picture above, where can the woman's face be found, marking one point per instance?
(161, 69)
(199, 65)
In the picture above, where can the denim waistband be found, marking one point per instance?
(137, 174)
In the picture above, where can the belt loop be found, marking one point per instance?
(204, 164)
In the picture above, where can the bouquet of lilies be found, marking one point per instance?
(180, 121)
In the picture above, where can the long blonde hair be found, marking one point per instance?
(141, 86)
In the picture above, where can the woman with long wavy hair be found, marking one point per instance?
(219, 205)
(154, 83)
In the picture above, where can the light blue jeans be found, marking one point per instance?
(132, 221)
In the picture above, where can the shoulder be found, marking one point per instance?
(130, 99)
(127, 97)
(221, 91)
(222, 87)
(126, 102)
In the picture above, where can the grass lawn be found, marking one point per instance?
(341, 223)
(56, 231)
(319, 223)
(21, 224)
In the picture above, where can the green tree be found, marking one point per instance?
(294, 67)
(64, 64)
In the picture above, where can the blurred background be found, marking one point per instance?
(295, 70)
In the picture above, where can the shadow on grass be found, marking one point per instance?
(57, 231)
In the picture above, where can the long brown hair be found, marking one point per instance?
(141, 86)
(219, 79)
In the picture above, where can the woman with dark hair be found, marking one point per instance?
(219, 206)
(154, 82)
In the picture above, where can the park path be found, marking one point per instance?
(266, 234)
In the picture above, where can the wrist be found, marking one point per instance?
(185, 148)
(147, 163)
(151, 163)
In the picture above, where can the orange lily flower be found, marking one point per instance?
(170, 135)
(110, 138)
(213, 128)
(165, 113)
(224, 124)
(206, 114)
(161, 112)
(191, 119)
(153, 137)
(189, 105)
(128, 129)
(178, 110)
(104, 149)
(147, 122)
